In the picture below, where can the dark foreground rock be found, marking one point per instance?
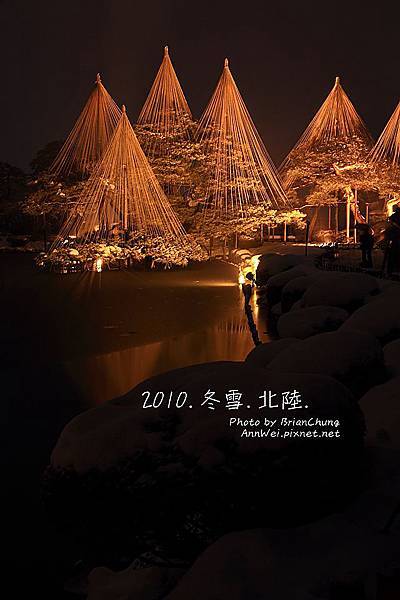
(303, 323)
(352, 357)
(126, 479)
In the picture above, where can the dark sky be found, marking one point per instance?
(283, 55)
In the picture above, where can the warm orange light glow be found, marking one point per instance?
(99, 265)
(165, 113)
(387, 148)
(336, 121)
(241, 171)
(122, 195)
(90, 135)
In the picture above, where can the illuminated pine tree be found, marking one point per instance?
(332, 150)
(122, 196)
(90, 135)
(387, 147)
(241, 173)
(385, 161)
(165, 131)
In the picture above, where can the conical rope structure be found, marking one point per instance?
(90, 135)
(165, 114)
(387, 147)
(241, 173)
(337, 121)
(122, 196)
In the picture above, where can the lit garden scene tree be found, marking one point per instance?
(328, 166)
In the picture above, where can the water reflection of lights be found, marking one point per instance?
(110, 375)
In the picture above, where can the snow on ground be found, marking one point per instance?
(381, 407)
(340, 554)
(263, 354)
(303, 323)
(103, 436)
(391, 354)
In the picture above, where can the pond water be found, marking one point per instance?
(105, 376)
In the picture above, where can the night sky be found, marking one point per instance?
(283, 55)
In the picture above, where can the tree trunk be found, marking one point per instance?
(337, 218)
(313, 222)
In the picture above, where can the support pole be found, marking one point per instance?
(44, 232)
(348, 209)
(337, 218)
(307, 236)
(355, 214)
(284, 232)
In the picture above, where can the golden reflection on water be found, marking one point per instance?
(107, 376)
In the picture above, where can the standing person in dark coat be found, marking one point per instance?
(392, 236)
(366, 236)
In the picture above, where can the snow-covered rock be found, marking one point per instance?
(380, 318)
(345, 290)
(306, 322)
(272, 264)
(132, 584)
(294, 289)
(277, 282)
(381, 408)
(391, 354)
(262, 354)
(349, 356)
(306, 563)
(109, 433)
(276, 310)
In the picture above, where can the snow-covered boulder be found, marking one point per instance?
(350, 356)
(142, 472)
(345, 290)
(276, 310)
(105, 435)
(391, 353)
(294, 289)
(262, 354)
(306, 322)
(381, 408)
(272, 264)
(132, 584)
(277, 282)
(380, 318)
(336, 557)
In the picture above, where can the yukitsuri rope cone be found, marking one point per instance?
(241, 173)
(122, 194)
(336, 129)
(165, 115)
(90, 135)
(123, 206)
(387, 147)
